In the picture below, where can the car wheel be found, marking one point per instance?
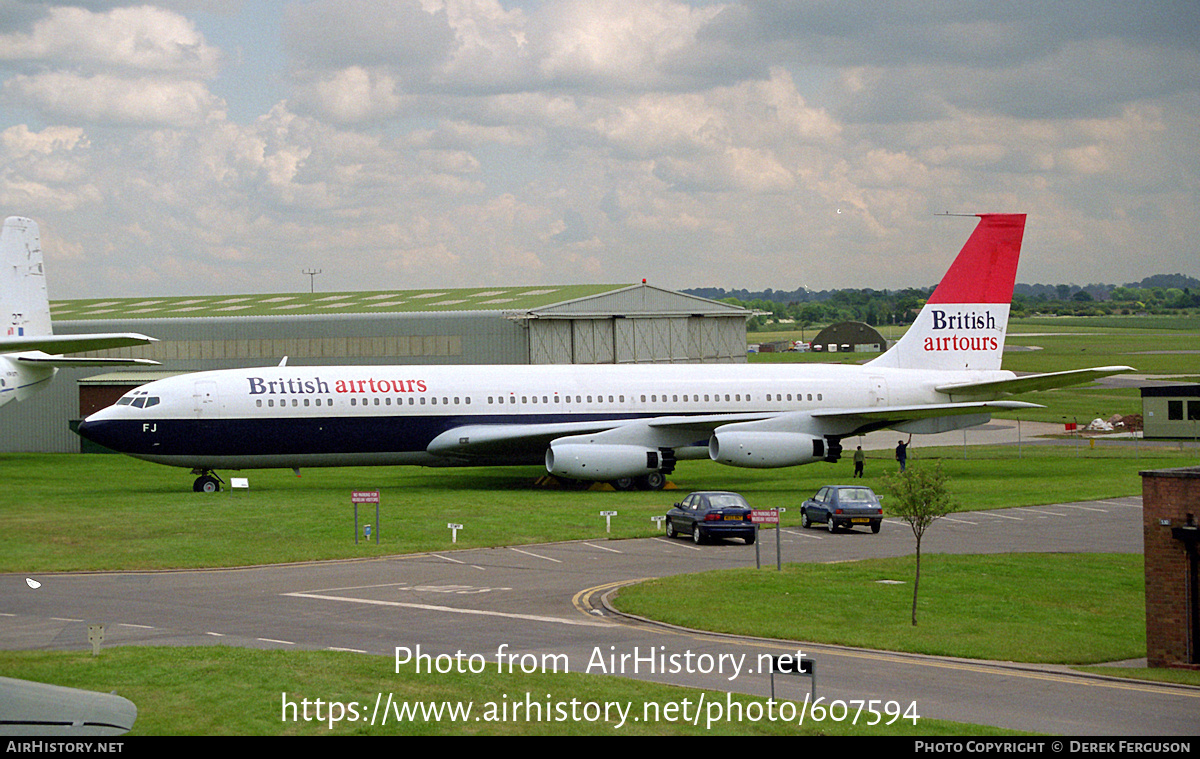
(805, 522)
(832, 525)
(750, 539)
(697, 535)
(875, 526)
(671, 529)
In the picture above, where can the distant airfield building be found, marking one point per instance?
(1171, 411)
(850, 337)
(575, 324)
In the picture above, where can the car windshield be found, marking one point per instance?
(856, 495)
(727, 501)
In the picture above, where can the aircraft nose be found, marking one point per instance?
(96, 431)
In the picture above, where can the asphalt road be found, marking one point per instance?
(544, 604)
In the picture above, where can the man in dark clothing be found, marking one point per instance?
(859, 458)
(902, 452)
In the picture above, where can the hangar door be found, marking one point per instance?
(635, 340)
(571, 341)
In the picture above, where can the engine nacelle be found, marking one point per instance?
(765, 450)
(586, 461)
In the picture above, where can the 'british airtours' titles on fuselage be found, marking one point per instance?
(298, 386)
(969, 320)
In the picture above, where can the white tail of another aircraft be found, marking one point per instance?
(23, 280)
(28, 347)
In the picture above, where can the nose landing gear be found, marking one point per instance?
(207, 482)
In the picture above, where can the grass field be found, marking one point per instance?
(65, 512)
(1049, 608)
(189, 691)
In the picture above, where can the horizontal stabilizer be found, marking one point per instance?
(1032, 382)
(73, 343)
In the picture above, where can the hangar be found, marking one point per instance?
(581, 324)
(855, 337)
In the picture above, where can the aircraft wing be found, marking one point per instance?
(1031, 382)
(493, 439)
(677, 431)
(72, 343)
(67, 361)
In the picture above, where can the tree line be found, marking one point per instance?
(1158, 294)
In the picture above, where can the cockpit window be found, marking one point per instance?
(139, 400)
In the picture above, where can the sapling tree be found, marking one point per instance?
(918, 496)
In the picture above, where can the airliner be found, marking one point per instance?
(624, 424)
(29, 349)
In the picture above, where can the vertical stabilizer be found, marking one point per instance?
(24, 302)
(963, 324)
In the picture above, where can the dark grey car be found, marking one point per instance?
(711, 514)
(842, 506)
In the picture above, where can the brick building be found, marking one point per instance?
(1170, 528)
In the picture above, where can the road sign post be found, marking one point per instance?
(766, 516)
(365, 496)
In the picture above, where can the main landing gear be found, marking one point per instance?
(207, 482)
(652, 481)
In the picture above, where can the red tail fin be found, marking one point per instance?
(963, 324)
(986, 268)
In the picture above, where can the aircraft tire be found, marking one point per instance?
(206, 484)
(652, 481)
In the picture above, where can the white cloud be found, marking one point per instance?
(355, 94)
(108, 99)
(141, 39)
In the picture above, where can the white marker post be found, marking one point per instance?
(658, 520)
(608, 515)
(454, 528)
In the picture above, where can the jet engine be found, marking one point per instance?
(765, 450)
(585, 461)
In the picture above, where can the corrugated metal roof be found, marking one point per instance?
(639, 300)
(551, 301)
(314, 304)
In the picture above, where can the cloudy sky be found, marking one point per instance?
(189, 147)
